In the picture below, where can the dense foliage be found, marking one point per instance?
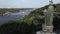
(14, 27)
(37, 15)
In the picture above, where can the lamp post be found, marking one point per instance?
(48, 26)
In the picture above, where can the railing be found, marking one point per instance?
(56, 12)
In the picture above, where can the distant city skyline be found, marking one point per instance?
(25, 3)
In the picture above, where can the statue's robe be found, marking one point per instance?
(49, 15)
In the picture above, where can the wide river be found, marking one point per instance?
(14, 16)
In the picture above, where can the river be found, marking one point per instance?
(14, 16)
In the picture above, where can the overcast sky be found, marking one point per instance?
(25, 3)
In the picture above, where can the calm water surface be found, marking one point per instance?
(14, 16)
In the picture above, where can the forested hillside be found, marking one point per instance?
(3, 10)
(38, 16)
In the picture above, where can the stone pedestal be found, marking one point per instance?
(47, 29)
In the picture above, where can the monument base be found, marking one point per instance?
(47, 29)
